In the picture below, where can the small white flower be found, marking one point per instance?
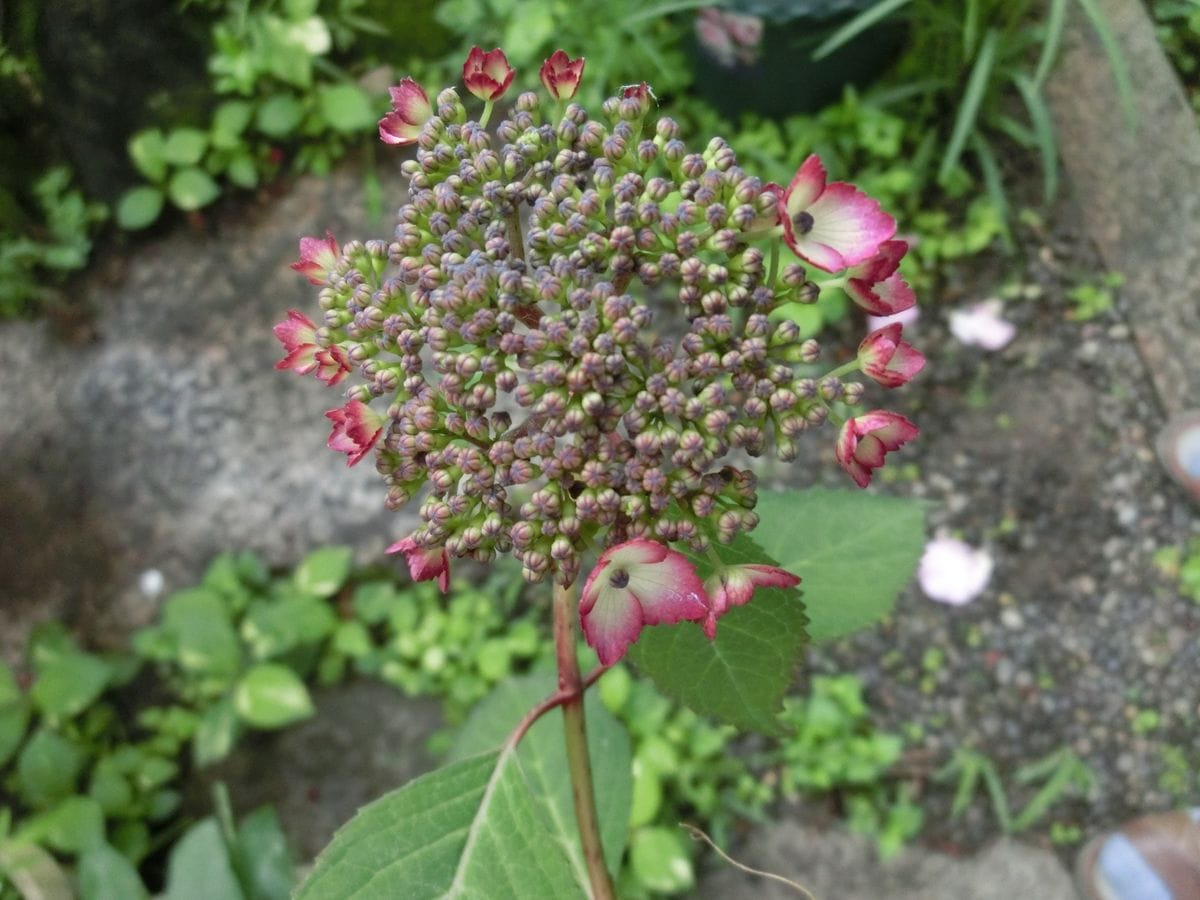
(980, 325)
(953, 572)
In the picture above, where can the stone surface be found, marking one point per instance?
(1139, 187)
(172, 436)
(832, 863)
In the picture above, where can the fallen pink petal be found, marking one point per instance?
(981, 325)
(634, 584)
(953, 572)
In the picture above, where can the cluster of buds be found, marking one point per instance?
(509, 371)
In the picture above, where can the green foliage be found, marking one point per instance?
(855, 551)
(1179, 564)
(625, 41)
(1045, 782)
(472, 828)
(1090, 299)
(1178, 26)
(37, 252)
(741, 676)
(544, 764)
(971, 56)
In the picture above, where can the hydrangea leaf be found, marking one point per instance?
(544, 762)
(741, 676)
(854, 552)
(471, 829)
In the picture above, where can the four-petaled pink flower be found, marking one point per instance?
(864, 440)
(876, 285)
(356, 428)
(424, 563)
(833, 226)
(298, 334)
(487, 75)
(637, 583)
(561, 75)
(734, 586)
(889, 360)
(317, 257)
(410, 111)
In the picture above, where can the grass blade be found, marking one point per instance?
(1051, 40)
(1116, 61)
(968, 110)
(995, 186)
(1043, 130)
(857, 26)
(991, 781)
(970, 33)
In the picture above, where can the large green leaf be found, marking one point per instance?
(853, 550)
(470, 830)
(346, 107)
(68, 684)
(543, 760)
(741, 676)
(261, 855)
(271, 695)
(197, 622)
(105, 874)
(200, 867)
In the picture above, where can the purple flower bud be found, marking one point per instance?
(693, 165)
(674, 150)
(852, 392)
(794, 275)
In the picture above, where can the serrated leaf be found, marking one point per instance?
(323, 571)
(271, 696)
(543, 760)
(185, 146)
(192, 188)
(469, 830)
(853, 551)
(741, 676)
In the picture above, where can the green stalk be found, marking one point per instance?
(571, 686)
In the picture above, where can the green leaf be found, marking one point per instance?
(242, 171)
(853, 550)
(69, 684)
(73, 826)
(968, 109)
(229, 121)
(471, 829)
(10, 691)
(346, 108)
(1116, 61)
(324, 571)
(14, 719)
(197, 623)
(110, 788)
(857, 26)
(273, 627)
(190, 189)
(47, 768)
(271, 696)
(185, 146)
(200, 868)
(1043, 129)
(1051, 39)
(660, 860)
(147, 149)
(34, 872)
(543, 761)
(105, 874)
(216, 734)
(993, 182)
(741, 676)
(262, 856)
(279, 116)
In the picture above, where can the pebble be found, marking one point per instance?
(1012, 618)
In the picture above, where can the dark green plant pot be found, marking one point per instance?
(785, 80)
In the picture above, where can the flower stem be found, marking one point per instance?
(486, 114)
(580, 766)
